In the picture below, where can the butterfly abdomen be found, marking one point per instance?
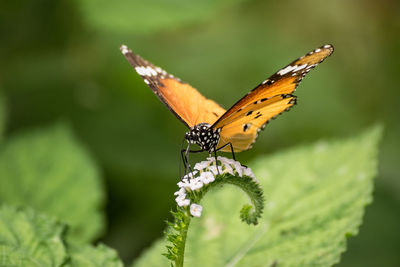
(204, 136)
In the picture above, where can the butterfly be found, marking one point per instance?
(212, 127)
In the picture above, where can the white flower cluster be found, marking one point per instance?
(203, 174)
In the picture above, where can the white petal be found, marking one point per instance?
(196, 184)
(179, 198)
(225, 160)
(184, 203)
(211, 159)
(207, 177)
(201, 165)
(180, 192)
(228, 169)
(196, 210)
(184, 184)
(238, 168)
(213, 169)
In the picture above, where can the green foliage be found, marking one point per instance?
(148, 16)
(316, 197)
(49, 171)
(29, 239)
(89, 256)
(57, 61)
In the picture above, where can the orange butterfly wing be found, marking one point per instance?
(244, 131)
(181, 99)
(242, 122)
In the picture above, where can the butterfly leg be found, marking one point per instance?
(215, 155)
(188, 168)
(233, 152)
(184, 160)
(229, 144)
(187, 157)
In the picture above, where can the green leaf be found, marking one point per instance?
(90, 256)
(153, 256)
(51, 172)
(29, 239)
(149, 15)
(315, 199)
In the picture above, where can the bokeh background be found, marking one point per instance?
(60, 60)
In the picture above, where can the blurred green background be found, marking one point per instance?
(60, 60)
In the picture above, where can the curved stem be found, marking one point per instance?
(178, 230)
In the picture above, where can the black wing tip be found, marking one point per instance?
(328, 47)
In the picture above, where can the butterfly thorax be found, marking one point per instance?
(204, 136)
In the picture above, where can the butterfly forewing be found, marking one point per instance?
(284, 81)
(240, 126)
(181, 99)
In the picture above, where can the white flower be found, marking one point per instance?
(228, 169)
(196, 210)
(213, 169)
(195, 184)
(190, 175)
(211, 159)
(182, 201)
(184, 184)
(226, 160)
(248, 172)
(238, 168)
(180, 198)
(207, 177)
(201, 165)
(181, 191)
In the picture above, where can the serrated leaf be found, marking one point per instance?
(30, 239)
(147, 16)
(90, 256)
(315, 199)
(51, 172)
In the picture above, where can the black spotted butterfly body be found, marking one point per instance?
(236, 129)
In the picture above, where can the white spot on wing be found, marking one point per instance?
(146, 71)
(287, 69)
(300, 67)
(124, 49)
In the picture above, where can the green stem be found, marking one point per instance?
(178, 230)
(183, 233)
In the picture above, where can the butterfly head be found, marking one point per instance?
(204, 136)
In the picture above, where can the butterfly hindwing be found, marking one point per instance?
(183, 100)
(240, 127)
